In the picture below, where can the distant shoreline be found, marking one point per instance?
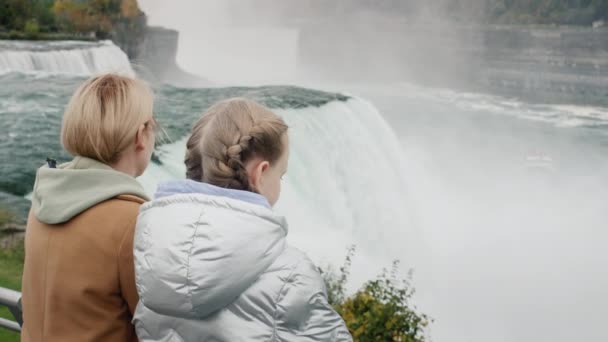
(13, 35)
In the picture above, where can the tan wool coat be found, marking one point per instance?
(78, 282)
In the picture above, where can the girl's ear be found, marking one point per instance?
(140, 138)
(256, 175)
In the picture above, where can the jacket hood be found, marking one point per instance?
(66, 191)
(198, 247)
(187, 186)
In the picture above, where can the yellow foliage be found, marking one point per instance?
(75, 15)
(129, 8)
(381, 309)
(381, 312)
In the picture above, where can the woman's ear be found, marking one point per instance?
(256, 174)
(140, 138)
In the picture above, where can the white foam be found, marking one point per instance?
(557, 115)
(344, 186)
(82, 60)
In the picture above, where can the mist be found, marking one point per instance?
(516, 248)
(269, 41)
(508, 195)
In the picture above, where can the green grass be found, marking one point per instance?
(11, 269)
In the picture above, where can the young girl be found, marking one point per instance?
(211, 259)
(78, 281)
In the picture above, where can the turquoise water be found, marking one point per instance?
(31, 108)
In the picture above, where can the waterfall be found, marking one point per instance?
(71, 58)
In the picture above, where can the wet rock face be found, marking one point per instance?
(129, 35)
(156, 60)
(159, 51)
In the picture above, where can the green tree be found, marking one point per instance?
(15, 14)
(381, 310)
(32, 29)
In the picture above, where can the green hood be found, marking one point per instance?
(71, 188)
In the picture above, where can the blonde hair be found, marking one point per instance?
(227, 136)
(103, 116)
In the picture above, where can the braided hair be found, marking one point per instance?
(227, 136)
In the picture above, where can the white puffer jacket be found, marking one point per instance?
(213, 265)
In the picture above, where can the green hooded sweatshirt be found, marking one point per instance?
(66, 191)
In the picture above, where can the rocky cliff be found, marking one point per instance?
(156, 59)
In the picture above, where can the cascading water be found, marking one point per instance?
(71, 58)
(344, 184)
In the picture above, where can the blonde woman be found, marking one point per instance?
(78, 281)
(211, 259)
